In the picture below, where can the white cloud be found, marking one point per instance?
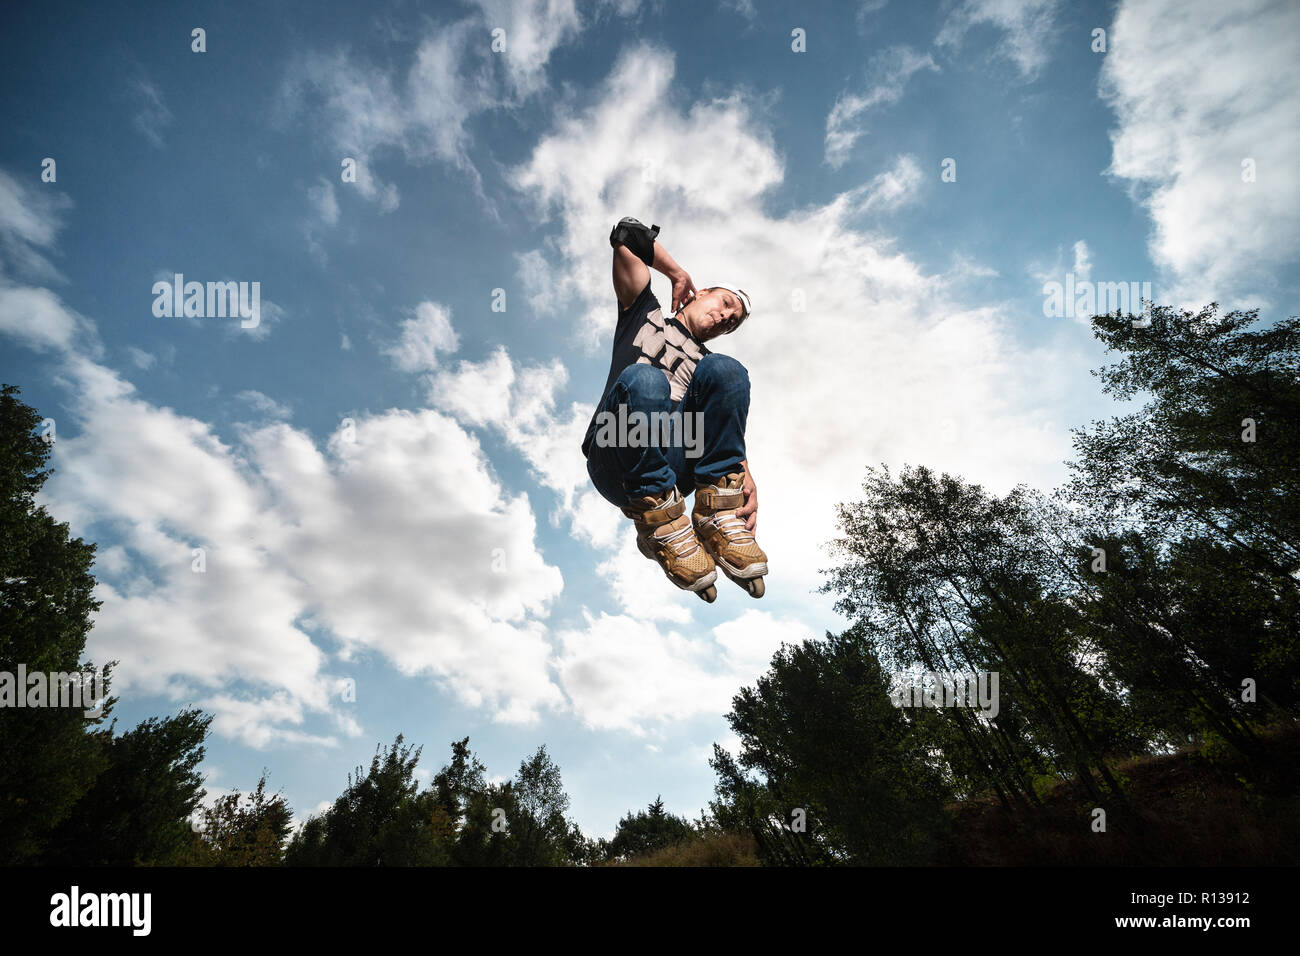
(1082, 261)
(453, 586)
(140, 358)
(421, 109)
(892, 188)
(890, 72)
(30, 217)
(423, 335)
(38, 318)
(623, 673)
(519, 403)
(1198, 88)
(324, 200)
(270, 314)
(151, 115)
(537, 276)
(533, 30)
(264, 405)
(1027, 26)
(395, 538)
(743, 7)
(584, 170)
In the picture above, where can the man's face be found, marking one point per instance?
(712, 313)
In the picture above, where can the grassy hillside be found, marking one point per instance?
(1197, 807)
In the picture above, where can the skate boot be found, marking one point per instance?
(664, 534)
(725, 536)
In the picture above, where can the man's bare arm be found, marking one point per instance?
(631, 275)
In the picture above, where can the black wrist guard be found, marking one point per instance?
(639, 238)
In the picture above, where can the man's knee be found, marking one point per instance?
(721, 372)
(644, 382)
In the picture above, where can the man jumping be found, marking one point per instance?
(663, 375)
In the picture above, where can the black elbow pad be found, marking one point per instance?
(638, 237)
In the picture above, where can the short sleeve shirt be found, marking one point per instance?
(645, 336)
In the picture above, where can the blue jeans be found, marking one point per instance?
(719, 390)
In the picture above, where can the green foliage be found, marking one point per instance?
(1193, 503)
(844, 776)
(646, 831)
(539, 833)
(383, 819)
(1218, 505)
(48, 759)
(138, 810)
(234, 833)
(379, 820)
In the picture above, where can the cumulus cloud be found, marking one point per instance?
(1203, 94)
(623, 673)
(38, 318)
(451, 586)
(423, 335)
(231, 559)
(519, 404)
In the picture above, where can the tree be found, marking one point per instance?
(1201, 484)
(139, 809)
(1215, 448)
(539, 832)
(48, 760)
(232, 833)
(843, 777)
(379, 820)
(949, 578)
(646, 831)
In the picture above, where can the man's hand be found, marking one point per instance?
(683, 289)
(749, 510)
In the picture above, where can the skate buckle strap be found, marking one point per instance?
(719, 500)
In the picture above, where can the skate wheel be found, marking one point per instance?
(709, 594)
(755, 587)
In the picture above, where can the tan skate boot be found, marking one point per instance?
(725, 536)
(664, 534)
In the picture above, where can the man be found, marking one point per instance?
(695, 404)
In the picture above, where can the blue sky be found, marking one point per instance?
(385, 473)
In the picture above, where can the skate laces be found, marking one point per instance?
(682, 541)
(730, 524)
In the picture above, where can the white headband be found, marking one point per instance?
(741, 295)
